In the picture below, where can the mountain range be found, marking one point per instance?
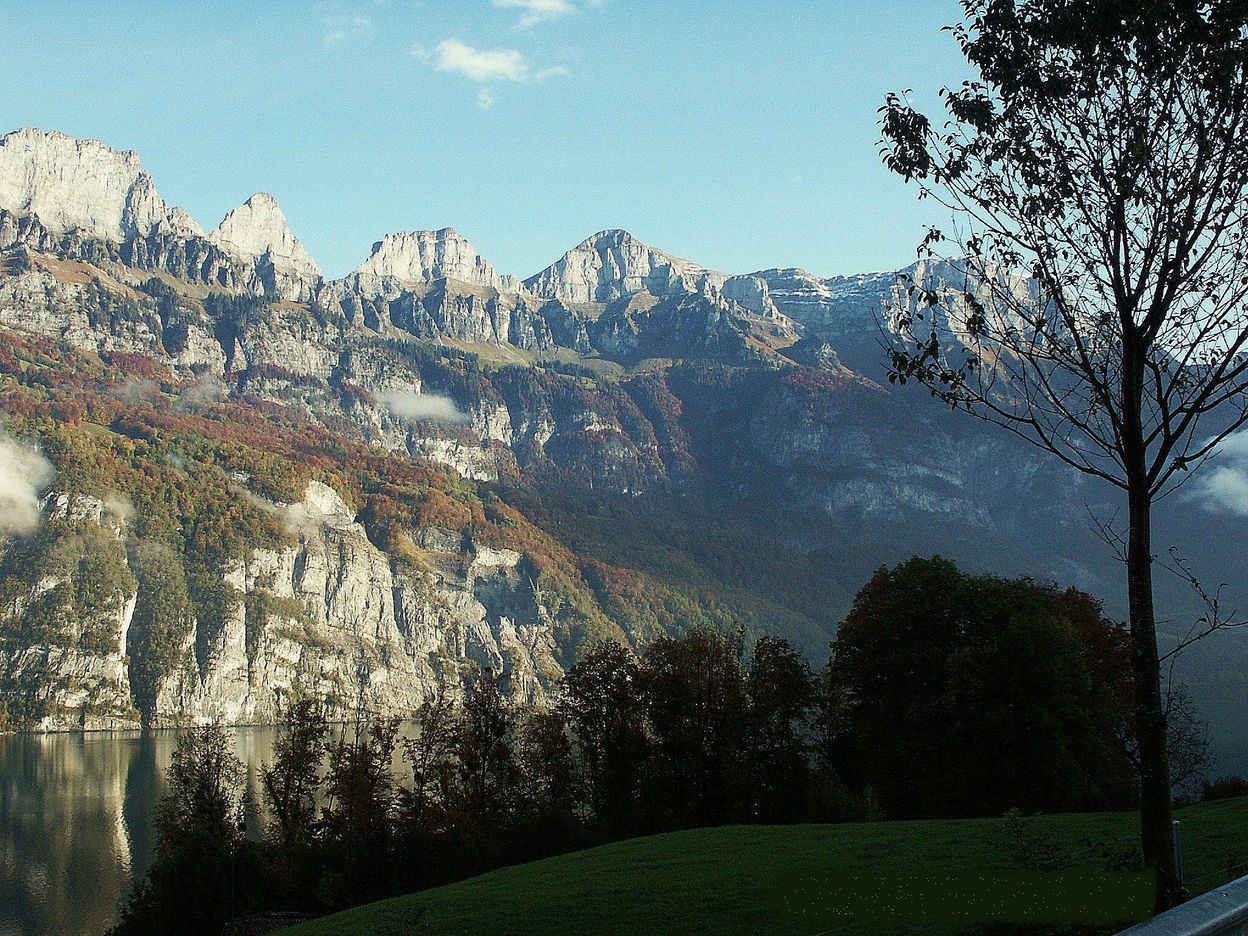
(250, 482)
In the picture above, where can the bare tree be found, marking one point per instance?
(1098, 172)
(1187, 742)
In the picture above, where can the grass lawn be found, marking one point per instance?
(743, 879)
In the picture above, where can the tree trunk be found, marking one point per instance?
(1156, 833)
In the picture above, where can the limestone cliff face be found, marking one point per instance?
(74, 658)
(85, 307)
(753, 293)
(410, 258)
(448, 309)
(90, 202)
(329, 615)
(842, 309)
(85, 186)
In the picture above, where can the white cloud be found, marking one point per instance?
(1223, 485)
(485, 100)
(484, 65)
(136, 390)
(537, 11)
(24, 473)
(293, 518)
(411, 406)
(480, 64)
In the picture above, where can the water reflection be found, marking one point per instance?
(76, 817)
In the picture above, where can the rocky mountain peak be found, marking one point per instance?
(410, 258)
(84, 185)
(257, 228)
(612, 264)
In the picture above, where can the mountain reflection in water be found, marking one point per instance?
(76, 823)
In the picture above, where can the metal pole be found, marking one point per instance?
(1178, 851)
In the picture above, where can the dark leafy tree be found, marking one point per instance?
(291, 782)
(1187, 742)
(358, 819)
(1224, 788)
(972, 695)
(487, 776)
(549, 795)
(831, 798)
(290, 787)
(1103, 153)
(782, 695)
(694, 688)
(430, 753)
(602, 701)
(202, 875)
(205, 779)
(425, 806)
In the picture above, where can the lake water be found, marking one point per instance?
(76, 823)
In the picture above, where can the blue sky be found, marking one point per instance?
(740, 135)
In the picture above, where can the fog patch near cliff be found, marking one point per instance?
(203, 390)
(410, 405)
(24, 473)
(1222, 486)
(136, 390)
(119, 506)
(321, 506)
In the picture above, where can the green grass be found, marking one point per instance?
(740, 879)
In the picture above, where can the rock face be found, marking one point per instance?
(613, 264)
(84, 186)
(411, 258)
(257, 231)
(85, 200)
(752, 293)
(329, 614)
(803, 297)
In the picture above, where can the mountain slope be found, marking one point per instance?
(598, 451)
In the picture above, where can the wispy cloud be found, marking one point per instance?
(303, 516)
(342, 27)
(537, 11)
(24, 473)
(200, 391)
(410, 405)
(119, 506)
(485, 65)
(1222, 487)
